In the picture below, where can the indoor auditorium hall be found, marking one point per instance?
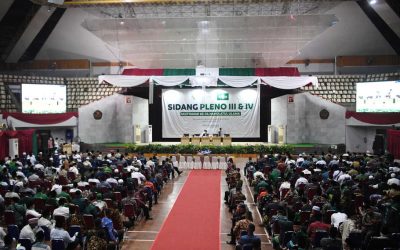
(199, 124)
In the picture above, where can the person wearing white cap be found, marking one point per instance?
(301, 180)
(393, 180)
(29, 231)
(139, 176)
(299, 160)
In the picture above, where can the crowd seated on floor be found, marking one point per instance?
(84, 200)
(325, 201)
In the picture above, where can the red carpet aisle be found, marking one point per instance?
(194, 221)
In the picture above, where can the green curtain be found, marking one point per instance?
(34, 143)
(179, 72)
(236, 71)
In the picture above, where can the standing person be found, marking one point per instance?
(219, 132)
(50, 144)
(56, 143)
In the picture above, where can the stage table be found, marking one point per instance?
(216, 141)
(196, 140)
(226, 141)
(185, 140)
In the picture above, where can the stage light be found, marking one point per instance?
(372, 2)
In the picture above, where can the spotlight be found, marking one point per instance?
(122, 22)
(372, 1)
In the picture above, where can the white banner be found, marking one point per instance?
(191, 111)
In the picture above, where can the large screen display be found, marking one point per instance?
(43, 98)
(191, 111)
(378, 96)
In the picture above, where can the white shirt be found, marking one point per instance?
(57, 188)
(94, 180)
(138, 176)
(394, 181)
(301, 180)
(284, 185)
(45, 222)
(300, 159)
(63, 211)
(59, 233)
(337, 218)
(321, 162)
(112, 181)
(337, 174)
(28, 233)
(74, 170)
(343, 177)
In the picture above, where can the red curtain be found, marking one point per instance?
(375, 118)
(25, 141)
(282, 71)
(394, 142)
(143, 72)
(41, 118)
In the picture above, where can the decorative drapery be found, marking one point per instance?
(169, 81)
(286, 82)
(238, 81)
(123, 81)
(25, 141)
(375, 118)
(394, 142)
(280, 82)
(41, 118)
(203, 81)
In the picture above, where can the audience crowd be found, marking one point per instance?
(322, 201)
(80, 200)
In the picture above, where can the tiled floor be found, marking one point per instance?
(142, 235)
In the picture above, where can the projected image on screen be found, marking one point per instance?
(43, 99)
(378, 97)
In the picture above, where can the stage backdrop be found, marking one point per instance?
(190, 111)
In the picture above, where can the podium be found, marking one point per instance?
(196, 140)
(185, 140)
(67, 148)
(226, 141)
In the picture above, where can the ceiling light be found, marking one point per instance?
(372, 1)
(122, 22)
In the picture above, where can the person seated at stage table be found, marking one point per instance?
(204, 134)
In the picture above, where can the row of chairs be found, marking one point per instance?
(196, 162)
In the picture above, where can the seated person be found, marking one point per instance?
(250, 239)
(40, 244)
(331, 242)
(58, 232)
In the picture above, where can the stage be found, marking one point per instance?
(308, 148)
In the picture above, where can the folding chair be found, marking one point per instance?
(214, 162)
(57, 244)
(40, 204)
(88, 221)
(9, 217)
(46, 231)
(25, 243)
(189, 162)
(13, 231)
(207, 162)
(182, 162)
(197, 162)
